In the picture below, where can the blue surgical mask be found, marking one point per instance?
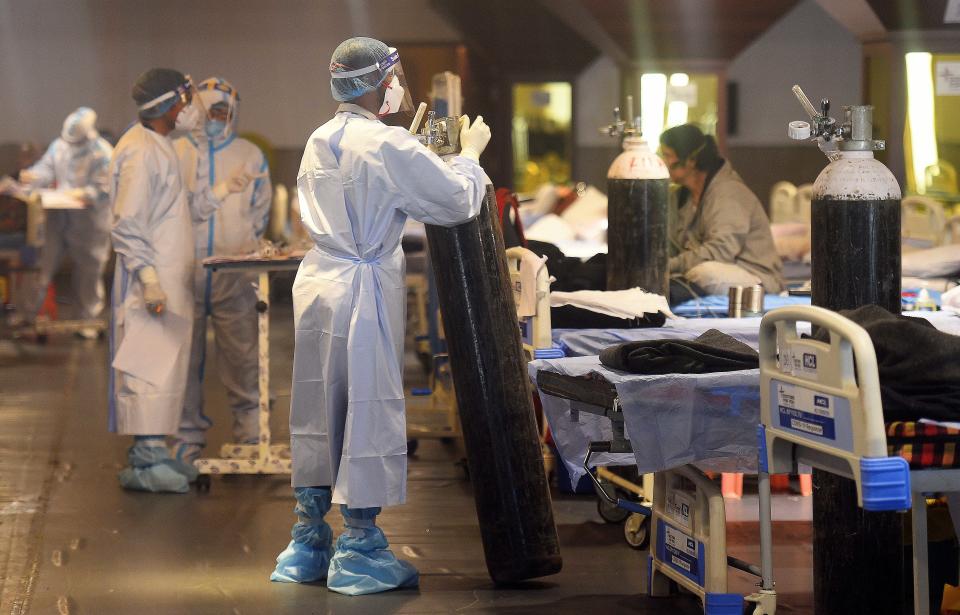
(215, 128)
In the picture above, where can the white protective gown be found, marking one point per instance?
(83, 235)
(152, 226)
(358, 181)
(228, 298)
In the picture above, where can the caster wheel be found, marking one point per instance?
(636, 530)
(412, 447)
(610, 512)
(42, 339)
(203, 483)
(447, 441)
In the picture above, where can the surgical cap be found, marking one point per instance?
(154, 83)
(79, 126)
(355, 54)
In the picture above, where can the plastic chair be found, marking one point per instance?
(922, 223)
(783, 203)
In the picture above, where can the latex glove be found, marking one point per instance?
(153, 294)
(473, 138)
(28, 177)
(238, 182)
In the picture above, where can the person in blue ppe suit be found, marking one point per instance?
(358, 182)
(227, 299)
(152, 296)
(76, 163)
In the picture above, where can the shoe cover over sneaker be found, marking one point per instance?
(307, 557)
(184, 454)
(150, 469)
(362, 563)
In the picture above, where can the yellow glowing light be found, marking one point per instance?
(653, 98)
(679, 80)
(923, 137)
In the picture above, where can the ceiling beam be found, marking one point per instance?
(580, 20)
(857, 16)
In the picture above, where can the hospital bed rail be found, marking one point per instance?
(821, 406)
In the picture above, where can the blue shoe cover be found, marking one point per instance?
(362, 563)
(158, 478)
(149, 468)
(307, 557)
(182, 461)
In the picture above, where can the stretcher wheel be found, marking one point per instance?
(42, 339)
(412, 447)
(203, 483)
(636, 530)
(611, 513)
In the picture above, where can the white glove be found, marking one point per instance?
(238, 182)
(153, 295)
(473, 139)
(28, 177)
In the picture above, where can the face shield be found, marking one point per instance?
(166, 101)
(387, 74)
(222, 103)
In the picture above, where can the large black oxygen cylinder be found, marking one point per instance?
(494, 398)
(637, 199)
(855, 217)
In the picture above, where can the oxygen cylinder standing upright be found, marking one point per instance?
(638, 185)
(493, 392)
(855, 217)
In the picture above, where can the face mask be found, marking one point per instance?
(392, 97)
(215, 128)
(188, 118)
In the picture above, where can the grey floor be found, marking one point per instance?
(72, 541)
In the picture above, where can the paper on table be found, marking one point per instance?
(58, 199)
(631, 303)
(150, 345)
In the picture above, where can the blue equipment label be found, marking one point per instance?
(806, 411)
(681, 550)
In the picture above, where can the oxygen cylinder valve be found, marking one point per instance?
(855, 133)
(623, 128)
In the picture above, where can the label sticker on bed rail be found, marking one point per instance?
(680, 508)
(806, 411)
(681, 549)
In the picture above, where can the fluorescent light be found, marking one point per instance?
(678, 80)
(653, 98)
(676, 113)
(923, 137)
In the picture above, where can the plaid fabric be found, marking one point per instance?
(924, 445)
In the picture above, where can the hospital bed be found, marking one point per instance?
(821, 406)
(675, 426)
(22, 222)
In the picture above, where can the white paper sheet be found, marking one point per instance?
(150, 345)
(57, 199)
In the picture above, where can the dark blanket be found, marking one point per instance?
(919, 365)
(572, 317)
(711, 352)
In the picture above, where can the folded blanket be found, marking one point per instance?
(918, 365)
(713, 351)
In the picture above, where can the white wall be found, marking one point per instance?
(806, 47)
(597, 92)
(56, 55)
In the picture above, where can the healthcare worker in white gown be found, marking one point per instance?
(77, 164)
(152, 295)
(358, 182)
